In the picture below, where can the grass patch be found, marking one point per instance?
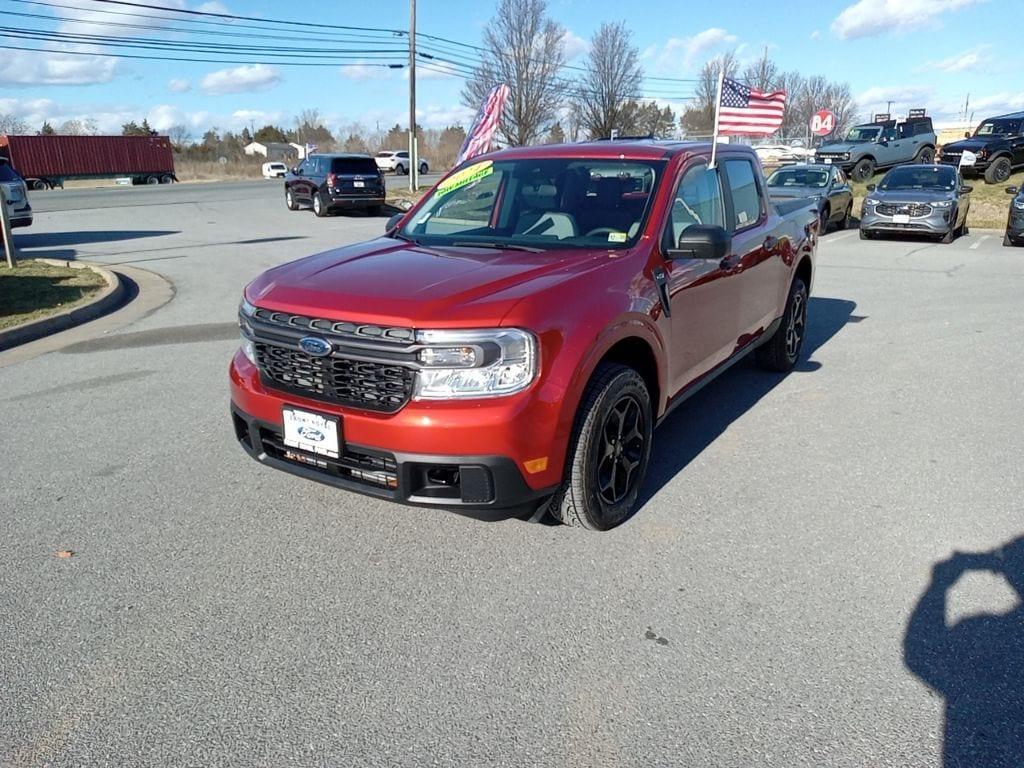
(33, 290)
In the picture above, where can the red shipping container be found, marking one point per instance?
(66, 157)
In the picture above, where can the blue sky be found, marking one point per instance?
(927, 53)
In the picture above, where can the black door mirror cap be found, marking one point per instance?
(871, 187)
(966, 189)
(702, 242)
(1012, 190)
(393, 222)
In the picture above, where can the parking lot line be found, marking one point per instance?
(843, 236)
(982, 239)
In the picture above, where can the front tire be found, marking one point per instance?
(609, 451)
(782, 351)
(863, 170)
(823, 219)
(400, 170)
(998, 171)
(424, 168)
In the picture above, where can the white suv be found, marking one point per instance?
(18, 209)
(398, 162)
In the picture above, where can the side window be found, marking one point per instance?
(840, 177)
(698, 201)
(301, 170)
(403, 155)
(746, 197)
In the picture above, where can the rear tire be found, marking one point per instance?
(863, 170)
(608, 452)
(926, 156)
(782, 351)
(318, 205)
(400, 170)
(844, 222)
(152, 180)
(823, 218)
(949, 237)
(424, 168)
(166, 179)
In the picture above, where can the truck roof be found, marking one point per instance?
(1007, 116)
(633, 149)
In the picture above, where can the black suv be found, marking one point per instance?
(997, 145)
(330, 182)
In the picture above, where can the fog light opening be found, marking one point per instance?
(446, 476)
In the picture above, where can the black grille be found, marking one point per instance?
(368, 385)
(912, 209)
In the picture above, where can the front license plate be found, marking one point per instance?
(828, 161)
(311, 432)
(901, 218)
(358, 183)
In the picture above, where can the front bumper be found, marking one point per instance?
(465, 456)
(845, 165)
(937, 222)
(968, 171)
(1015, 225)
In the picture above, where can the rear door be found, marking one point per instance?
(756, 264)
(841, 194)
(1017, 143)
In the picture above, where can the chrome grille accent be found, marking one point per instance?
(907, 209)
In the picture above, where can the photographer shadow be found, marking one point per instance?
(977, 664)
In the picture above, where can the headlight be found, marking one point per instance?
(246, 308)
(487, 363)
(981, 153)
(942, 204)
(1019, 205)
(871, 201)
(249, 349)
(844, 156)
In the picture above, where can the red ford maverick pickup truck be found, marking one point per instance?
(512, 341)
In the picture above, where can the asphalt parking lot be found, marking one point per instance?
(755, 611)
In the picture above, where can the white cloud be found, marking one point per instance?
(574, 45)
(162, 117)
(435, 116)
(212, 7)
(903, 99)
(868, 18)
(961, 62)
(54, 68)
(815, 34)
(361, 71)
(680, 54)
(248, 77)
(179, 85)
(108, 117)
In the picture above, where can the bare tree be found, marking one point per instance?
(699, 117)
(75, 127)
(524, 50)
(611, 82)
(12, 124)
(762, 74)
(179, 135)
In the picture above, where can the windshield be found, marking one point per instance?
(920, 177)
(863, 133)
(798, 177)
(539, 203)
(7, 173)
(998, 128)
(353, 165)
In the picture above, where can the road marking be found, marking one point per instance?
(982, 239)
(837, 238)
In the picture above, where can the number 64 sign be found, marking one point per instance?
(823, 122)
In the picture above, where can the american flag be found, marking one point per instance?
(747, 111)
(478, 140)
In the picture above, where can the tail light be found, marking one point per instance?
(331, 179)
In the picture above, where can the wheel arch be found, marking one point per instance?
(805, 271)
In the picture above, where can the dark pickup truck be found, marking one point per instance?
(509, 345)
(994, 151)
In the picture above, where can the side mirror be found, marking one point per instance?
(966, 189)
(883, 142)
(702, 242)
(871, 187)
(1012, 190)
(393, 222)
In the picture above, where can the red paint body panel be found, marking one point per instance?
(36, 157)
(578, 303)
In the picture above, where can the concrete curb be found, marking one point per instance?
(106, 301)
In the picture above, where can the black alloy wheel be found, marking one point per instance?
(622, 449)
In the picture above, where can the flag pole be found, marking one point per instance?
(718, 107)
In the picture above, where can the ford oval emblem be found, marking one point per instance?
(312, 434)
(315, 346)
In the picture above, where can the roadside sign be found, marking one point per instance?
(823, 122)
(882, 117)
(916, 113)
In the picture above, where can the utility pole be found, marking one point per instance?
(888, 108)
(414, 165)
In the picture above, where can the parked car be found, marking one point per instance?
(19, 211)
(510, 343)
(327, 183)
(825, 185)
(398, 162)
(1015, 219)
(776, 154)
(274, 170)
(997, 147)
(872, 147)
(917, 199)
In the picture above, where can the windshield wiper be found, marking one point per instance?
(399, 236)
(501, 246)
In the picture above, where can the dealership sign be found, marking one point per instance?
(823, 122)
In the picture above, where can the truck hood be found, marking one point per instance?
(392, 282)
(970, 145)
(910, 195)
(842, 146)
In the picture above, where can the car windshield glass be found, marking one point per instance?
(919, 177)
(353, 165)
(7, 173)
(798, 177)
(997, 128)
(541, 203)
(863, 133)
